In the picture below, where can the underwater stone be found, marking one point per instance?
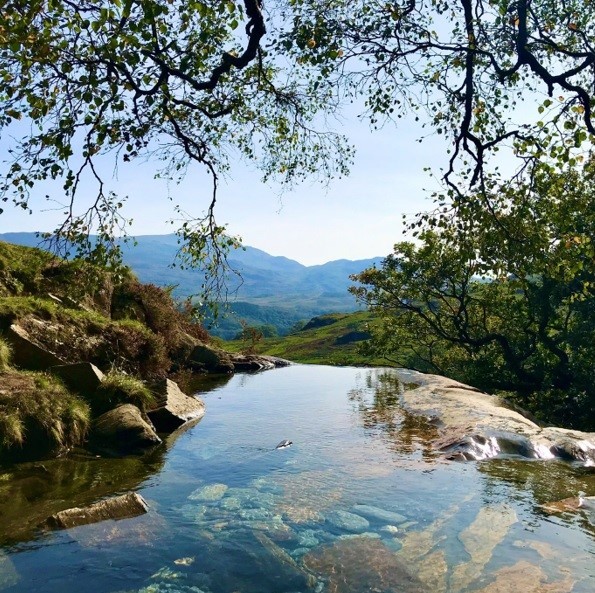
(379, 514)
(348, 521)
(209, 493)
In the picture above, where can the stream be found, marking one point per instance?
(359, 502)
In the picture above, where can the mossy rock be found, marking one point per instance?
(211, 360)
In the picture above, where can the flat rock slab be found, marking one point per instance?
(361, 564)
(82, 377)
(27, 354)
(119, 507)
(175, 408)
(474, 425)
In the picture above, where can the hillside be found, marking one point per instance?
(327, 339)
(282, 291)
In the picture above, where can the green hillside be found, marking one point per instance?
(328, 339)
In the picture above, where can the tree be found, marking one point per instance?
(181, 82)
(503, 297)
(491, 75)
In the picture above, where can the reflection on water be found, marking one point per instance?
(358, 503)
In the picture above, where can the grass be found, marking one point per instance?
(330, 344)
(117, 389)
(4, 356)
(39, 415)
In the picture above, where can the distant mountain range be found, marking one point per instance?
(273, 290)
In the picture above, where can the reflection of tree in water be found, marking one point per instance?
(379, 406)
(542, 482)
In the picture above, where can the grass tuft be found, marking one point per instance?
(117, 388)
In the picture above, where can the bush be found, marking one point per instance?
(39, 416)
(117, 389)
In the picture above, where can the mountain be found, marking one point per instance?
(272, 290)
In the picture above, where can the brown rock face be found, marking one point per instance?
(119, 507)
(209, 359)
(122, 430)
(82, 377)
(175, 408)
(27, 354)
(361, 564)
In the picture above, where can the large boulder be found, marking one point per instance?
(174, 408)
(29, 354)
(118, 507)
(209, 359)
(122, 430)
(81, 377)
(469, 424)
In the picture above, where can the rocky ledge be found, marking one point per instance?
(474, 425)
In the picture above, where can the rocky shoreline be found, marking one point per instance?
(472, 425)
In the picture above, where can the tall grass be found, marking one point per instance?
(4, 356)
(38, 414)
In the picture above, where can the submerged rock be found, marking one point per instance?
(118, 507)
(8, 573)
(211, 492)
(361, 564)
(379, 514)
(347, 521)
(489, 529)
(527, 578)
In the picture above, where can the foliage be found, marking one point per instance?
(87, 83)
(4, 356)
(116, 389)
(38, 413)
(472, 70)
(500, 297)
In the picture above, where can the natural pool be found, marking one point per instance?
(358, 503)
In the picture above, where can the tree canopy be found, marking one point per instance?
(502, 299)
(202, 81)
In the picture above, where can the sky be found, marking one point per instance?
(357, 217)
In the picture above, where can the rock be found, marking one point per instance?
(174, 408)
(361, 564)
(8, 573)
(210, 359)
(528, 578)
(119, 507)
(379, 514)
(565, 505)
(28, 354)
(475, 425)
(209, 493)
(480, 539)
(348, 521)
(122, 430)
(81, 377)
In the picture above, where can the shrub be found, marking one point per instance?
(118, 388)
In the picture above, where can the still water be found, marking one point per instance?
(359, 502)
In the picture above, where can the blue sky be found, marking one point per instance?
(354, 218)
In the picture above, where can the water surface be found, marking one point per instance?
(359, 502)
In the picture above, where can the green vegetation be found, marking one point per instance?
(500, 297)
(4, 356)
(37, 414)
(334, 340)
(117, 389)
